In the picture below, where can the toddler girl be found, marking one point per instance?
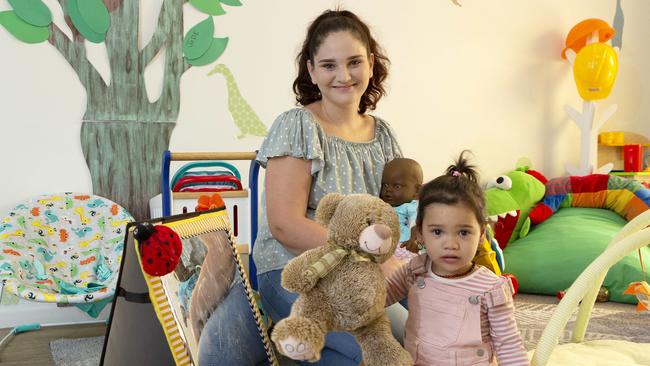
(459, 313)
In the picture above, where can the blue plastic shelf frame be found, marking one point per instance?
(253, 183)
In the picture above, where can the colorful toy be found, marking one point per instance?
(594, 71)
(509, 198)
(340, 285)
(563, 242)
(580, 33)
(640, 289)
(642, 292)
(595, 65)
(628, 198)
(159, 248)
(489, 254)
(210, 202)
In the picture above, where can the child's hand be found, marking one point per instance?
(411, 245)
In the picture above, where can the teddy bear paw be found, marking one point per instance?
(296, 349)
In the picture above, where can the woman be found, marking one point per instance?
(329, 144)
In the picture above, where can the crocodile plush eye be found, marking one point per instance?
(502, 182)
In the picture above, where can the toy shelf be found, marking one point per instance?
(611, 144)
(624, 174)
(195, 195)
(242, 205)
(168, 195)
(620, 145)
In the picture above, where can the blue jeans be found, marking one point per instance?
(341, 349)
(230, 336)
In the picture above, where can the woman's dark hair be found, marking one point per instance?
(459, 184)
(335, 21)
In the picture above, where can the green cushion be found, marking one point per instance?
(555, 252)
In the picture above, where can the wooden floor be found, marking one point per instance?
(33, 348)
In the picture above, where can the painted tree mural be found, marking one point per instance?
(123, 134)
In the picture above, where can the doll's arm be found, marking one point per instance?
(294, 278)
(412, 245)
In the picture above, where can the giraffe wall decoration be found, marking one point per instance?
(243, 115)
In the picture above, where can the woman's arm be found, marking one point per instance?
(288, 184)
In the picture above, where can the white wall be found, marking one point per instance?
(486, 76)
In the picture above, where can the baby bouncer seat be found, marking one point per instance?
(582, 294)
(63, 248)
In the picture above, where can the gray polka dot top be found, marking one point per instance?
(337, 165)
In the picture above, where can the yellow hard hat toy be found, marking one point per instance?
(594, 71)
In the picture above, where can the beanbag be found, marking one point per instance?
(552, 256)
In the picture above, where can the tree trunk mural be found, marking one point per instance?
(124, 160)
(123, 135)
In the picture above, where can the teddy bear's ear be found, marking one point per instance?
(326, 207)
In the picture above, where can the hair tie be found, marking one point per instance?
(455, 173)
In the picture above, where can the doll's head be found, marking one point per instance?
(401, 181)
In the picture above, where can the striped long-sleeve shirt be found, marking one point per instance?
(498, 325)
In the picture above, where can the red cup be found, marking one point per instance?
(633, 158)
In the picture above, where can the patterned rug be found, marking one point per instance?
(608, 321)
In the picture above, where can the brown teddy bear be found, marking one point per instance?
(341, 286)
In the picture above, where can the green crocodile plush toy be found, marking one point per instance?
(509, 199)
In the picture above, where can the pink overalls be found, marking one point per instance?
(444, 324)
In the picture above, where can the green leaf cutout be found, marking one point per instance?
(212, 54)
(212, 7)
(95, 14)
(33, 12)
(198, 39)
(231, 2)
(80, 24)
(21, 29)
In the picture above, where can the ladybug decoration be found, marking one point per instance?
(160, 248)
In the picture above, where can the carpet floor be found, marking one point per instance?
(77, 351)
(608, 321)
(532, 312)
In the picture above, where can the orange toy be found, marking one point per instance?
(206, 202)
(640, 289)
(642, 292)
(578, 35)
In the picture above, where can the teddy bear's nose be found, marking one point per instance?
(383, 231)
